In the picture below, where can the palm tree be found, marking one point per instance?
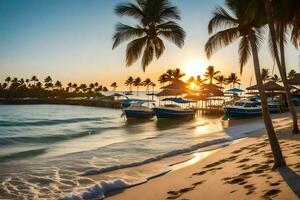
(105, 89)
(281, 14)
(70, 86)
(199, 81)
(48, 82)
(137, 82)
(246, 25)
(191, 80)
(292, 74)
(114, 85)
(7, 80)
(177, 74)
(34, 79)
(221, 80)
(156, 19)
(91, 86)
(276, 78)
(146, 83)
(74, 86)
(58, 84)
(265, 75)
(129, 82)
(233, 79)
(162, 79)
(211, 73)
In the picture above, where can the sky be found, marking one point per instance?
(71, 40)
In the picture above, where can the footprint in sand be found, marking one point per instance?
(271, 193)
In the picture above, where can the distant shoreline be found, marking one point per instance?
(79, 102)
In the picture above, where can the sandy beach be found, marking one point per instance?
(239, 171)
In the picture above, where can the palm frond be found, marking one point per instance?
(173, 32)
(221, 19)
(129, 9)
(168, 14)
(125, 32)
(220, 40)
(158, 46)
(147, 55)
(134, 50)
(244, 52)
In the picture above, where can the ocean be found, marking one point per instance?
(50, 151)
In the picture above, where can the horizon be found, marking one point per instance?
(71, 41)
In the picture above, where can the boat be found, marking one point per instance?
(174, 110)
(138, 110)
(274, 104)
(242, 109)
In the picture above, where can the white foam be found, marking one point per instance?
(98, 191)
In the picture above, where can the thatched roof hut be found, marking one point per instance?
(176, 85)
(172, 92)
(295, 80)
(268, 86)
(211, 90)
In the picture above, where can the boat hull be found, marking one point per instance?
(139, 114)
(242, 113)
(168, 113)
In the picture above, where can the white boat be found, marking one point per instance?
(138, 110)
(243, 108)
(173, 110)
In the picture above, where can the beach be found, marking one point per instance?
(239, 171)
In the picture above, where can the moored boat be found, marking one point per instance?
(242, 109)
(137, 110)
(173, 110)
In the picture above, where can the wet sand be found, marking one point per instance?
(240, 171)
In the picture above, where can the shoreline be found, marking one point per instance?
(231, 181)
(53, 101)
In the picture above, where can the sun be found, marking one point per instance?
(194, 68)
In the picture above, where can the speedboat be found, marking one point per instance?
(137, 110)
(173, 110)
(242, 109)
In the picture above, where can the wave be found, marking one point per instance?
(22, 154)
(50, 122)
(159, 157)
(45, 139)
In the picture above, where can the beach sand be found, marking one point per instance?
(239, 171)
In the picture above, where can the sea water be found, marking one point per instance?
(48, 151)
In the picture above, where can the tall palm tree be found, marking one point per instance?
(69, 86)
(177, 74)
(146, 83)
(129, 82)
(265, 74)
(191, 80)
(74, 86)
(279, 13)
(114, 85)
(48, 82)
(276, 78)
(211, 73)
(162, 79)
(245, 25)
(58, 84)
(233, 79)
(199, 81)
(221, 80)
(137, 82)
(292, 74)
(156, 19)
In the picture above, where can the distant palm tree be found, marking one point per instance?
(155, 20)
(91, 87)
(114, 85)
(199, 81)
(70, 86)
(34, 79)
(146, 83)
(191, 80)
(74, 86)
(162, 79)
(58, 85)
(137, 82)
(48, 82)
(177, 74)
(210, 73)
(233, 79)
(265, 74)
(105, 89)
(129, 82)
(244, 24)
(292, 74)
(221, 80)
(27, 82)
(276, 78)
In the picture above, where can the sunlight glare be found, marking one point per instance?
(194, 68)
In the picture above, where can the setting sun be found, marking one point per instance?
(194, 68)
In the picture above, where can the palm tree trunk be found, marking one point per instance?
(281, 65)
(286, 86)
(275, 147)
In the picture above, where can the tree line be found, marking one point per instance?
(33, 87)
